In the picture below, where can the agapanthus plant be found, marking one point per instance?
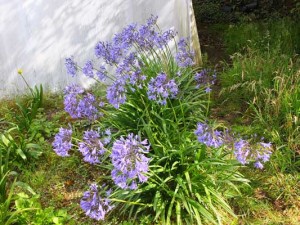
(156, 94)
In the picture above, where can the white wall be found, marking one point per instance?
(36, 35)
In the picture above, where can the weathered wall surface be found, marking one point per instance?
(36, 35)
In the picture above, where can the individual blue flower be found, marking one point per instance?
(95, 206)
(208, 90)
(91, 147)
(258, 165)
(88, 69)
(71, 66)
(129, 161)
(62, 142)
(184, 56)
(208, 136)
(160, 88)
(107, 137)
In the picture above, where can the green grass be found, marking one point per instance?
(262, 83)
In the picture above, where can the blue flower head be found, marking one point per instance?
(71, 66)
(208, 136)
(160, 88)
(62, 142)
(129, 161)
(95, 206)
(92, 147)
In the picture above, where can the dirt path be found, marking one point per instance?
(212, 44)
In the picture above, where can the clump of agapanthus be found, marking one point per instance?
(258, 153)
(208, 136)
(93, 145)
(184, 57)
(160, 88)
(95, 206)
(62, 142)
(71, 66)
(80, 104)
(205, 78)
(129, 161)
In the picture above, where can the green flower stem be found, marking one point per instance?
(128, 202)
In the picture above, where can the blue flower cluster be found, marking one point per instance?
(62, 142)
(122, 52)
(116, 93)
(144, 38)
(88, 69)
(260, 153)
(92, 146)
(129, 161)
(160, 88)
(184, 57)
(208, 136)
(71, 66)
(94, 205)
(205, 79)
(80, 104)
(244, 152)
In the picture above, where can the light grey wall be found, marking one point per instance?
(36, 35)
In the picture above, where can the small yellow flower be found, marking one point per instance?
(20, 71)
